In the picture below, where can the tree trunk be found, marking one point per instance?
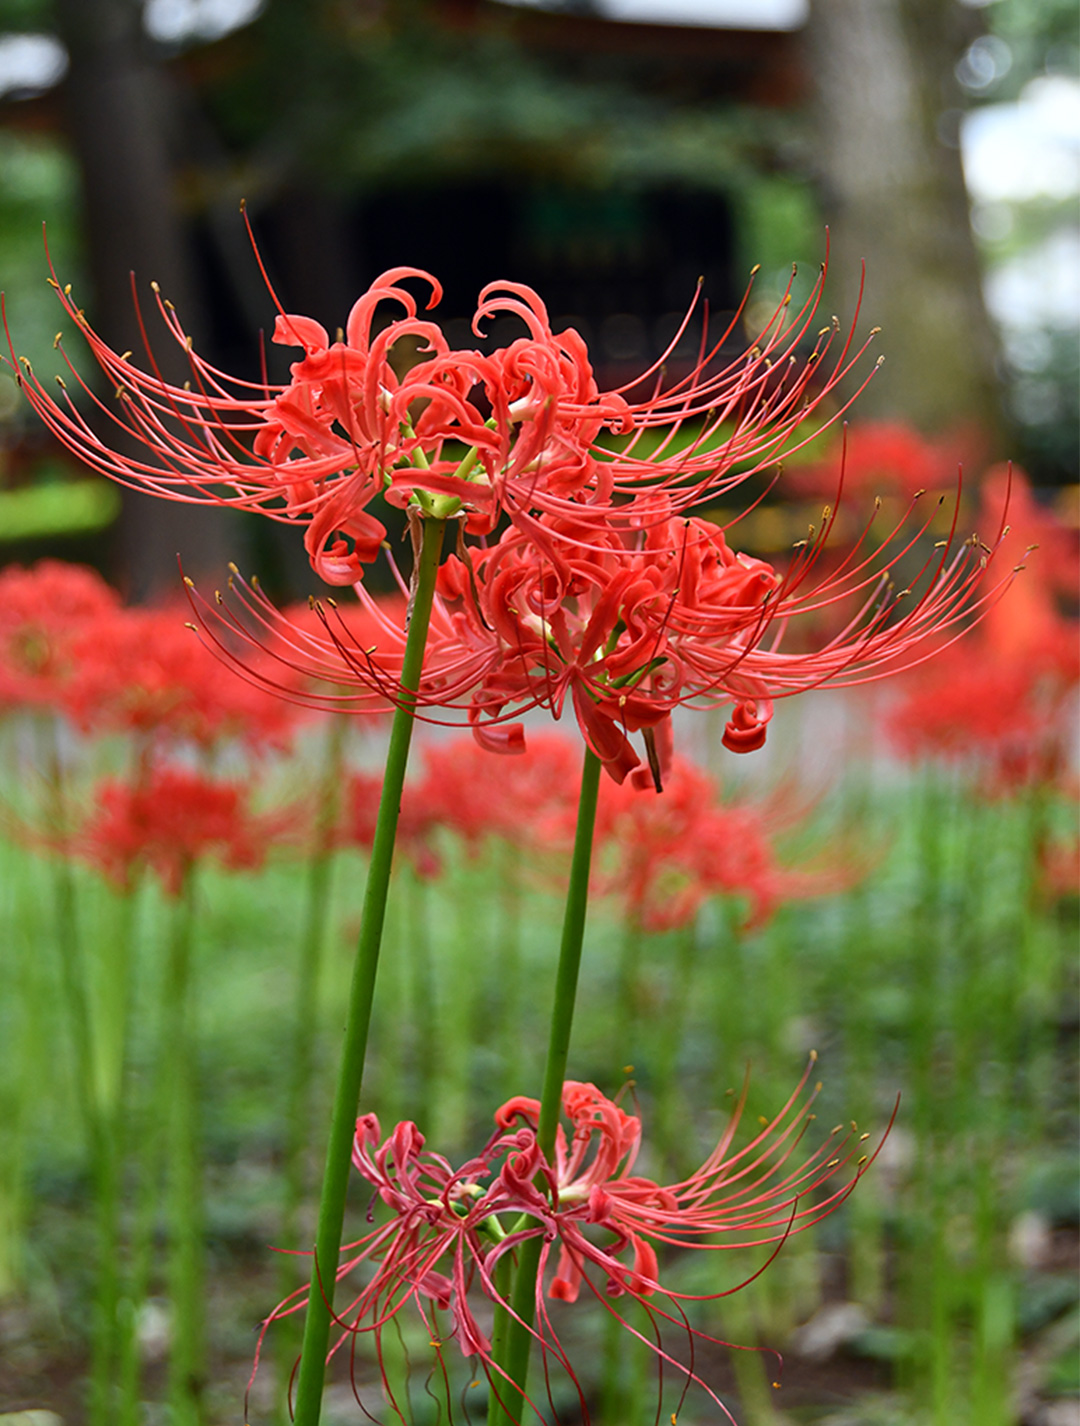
(116, 111)
(889, 110)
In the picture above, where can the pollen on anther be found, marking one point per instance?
(189, 581)
(813, 1057)
(57, 340)
(234, 569)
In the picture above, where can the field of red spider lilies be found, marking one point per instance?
(895, 890)
(663, 1084)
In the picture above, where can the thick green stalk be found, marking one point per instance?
(514, 1360)
(309, 1389)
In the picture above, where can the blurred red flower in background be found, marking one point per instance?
(173, 820)
(1005, 699)
(44, 611)
(665, 856)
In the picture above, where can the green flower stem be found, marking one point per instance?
(306, 1024)
(309, 1388)
(185, 1268)
(514, 1358)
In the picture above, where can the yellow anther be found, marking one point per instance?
(124, 356)
(57, 340)
(189, 581)
(154, 287)
(813, 1057)
(234, 569)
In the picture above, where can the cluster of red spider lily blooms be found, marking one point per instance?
(448, 1229)
(659, 856)
(590, 580)
(582, 571)
(70, 649)
(1002, 701)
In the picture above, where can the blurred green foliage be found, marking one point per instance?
(38, 186)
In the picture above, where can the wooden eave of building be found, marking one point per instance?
(757, 66)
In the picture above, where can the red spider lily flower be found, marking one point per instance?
(665, 856)
(1005, 701)
(141, 671)
(171, 821)
(43, 610)
(628, 622)
(417, 822)
(527, 800)
(522, 430)
(603, 1228)
(884, 458)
